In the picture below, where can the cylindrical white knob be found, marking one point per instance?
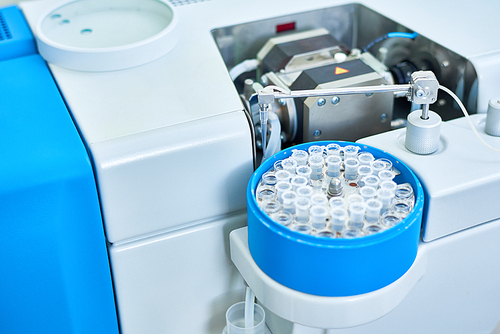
(422, 135)
(492, 126)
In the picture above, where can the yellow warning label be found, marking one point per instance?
(340, 70)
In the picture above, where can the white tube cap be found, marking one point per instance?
(492, 126)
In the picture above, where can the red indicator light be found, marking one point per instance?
(285, 27)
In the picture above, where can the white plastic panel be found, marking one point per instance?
(172, 176)
(461, 179)
(177, 282)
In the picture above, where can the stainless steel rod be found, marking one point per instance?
(343, 91)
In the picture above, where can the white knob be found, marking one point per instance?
(492, 126)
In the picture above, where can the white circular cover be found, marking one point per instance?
(106, 35)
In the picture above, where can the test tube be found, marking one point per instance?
(326, 234)
(338, 219)
(277, 166)
(319, 200)
(390, 219)
(373, 207)
(302, 228)
(371, 181)
(353, 198)
(269, 179)
(351, 233)
(271, 207)
(305, 191)
(387, 163)
(333, 149)
(298, 181)
(265, 193)
(351, 152)
(283, 218)
(386, 175)
(302, 205)
(351, 168)
(304, 171)
(333, 163)
(315, 150)
(337, 203)
(364, 171)
(372, 229)
(389, 185)
(367, 192)
(288, 200)
(318, 217)
(385, 196)
(283, 175)
(401, 208)
(300, 156)
(377, 166)
(356, 214)
(289, 165)
(404, 192)
(316, 164)
(365, 158)
(281, 187)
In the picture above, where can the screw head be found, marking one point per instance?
(420, 93)
(383, 117)
(335, 100)
(317, 133)
(321, 102)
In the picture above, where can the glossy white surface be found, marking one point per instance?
(461, 178)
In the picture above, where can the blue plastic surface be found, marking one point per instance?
(16, 39)
(333, 267)
(55, 274)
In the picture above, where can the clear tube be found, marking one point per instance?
(283, 218)
(326, 234)
(319, 200)
(377, 166)
(402, 208)
(304, 171)
(302, 228)
(333, 162)
(338, 219)
(302, 205)
(316, 164)
(315, 150)
(390, 219)
(269, 179)
(385, 196)
(386, 175)
(371, 181)
(298, 181)
(266, 193)
(351, 152)
(354, 198)
(289, 165)
(278, 165)
(387, 163)
(365, 158)
(271, 207)
(318, 217)
(305, 191)
(283, 176)
(351, 233)
(373, 207)
(288, 199)
(356, 214)
(372, 229)
(337, 203)
(364, 171)
(367, 193)
(351, 168)
(333, 149)
(281, 187)
(389, 185)
(300, 156)
(404, 192)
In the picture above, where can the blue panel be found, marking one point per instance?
(54, 268)
(16, 39)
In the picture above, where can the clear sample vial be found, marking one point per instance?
(389, 219)
(386, 175)
(364, 171)
(351, 152)
(387, 163)
(389, 185)
(304, 171)
(266, 193)
(271, 207)
(401, 208)
(371, 181)
(300, 156)
(337, 203)
(356, 214)
(367, 192)
(283, 175)
(315, 150)
(302, 228)
(372, 229)
(319, 199)
(281, 187)
(353, 198)
(385, 196)
(404, 192)
(338, 219)
(269, 179)
(277, 165)
(316, 164)
(373, 208)
(305, 191)
(283, 218)
(298, 181)
(333, 163)
(377, 166)
(289, 165)
(318, 217)
(333, 149)
(326, 234)
(351, 168)
(365, 158)
(288, 200)
(302, 206)
(351, 233)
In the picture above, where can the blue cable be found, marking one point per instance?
(391, 35)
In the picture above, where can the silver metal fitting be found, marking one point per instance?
(424, 87)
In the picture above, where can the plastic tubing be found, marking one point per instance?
(274, 145)
(243, 67)
(249, 308)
